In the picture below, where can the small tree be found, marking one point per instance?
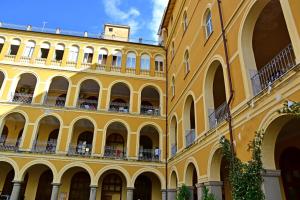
(245, 178)
(207, 195)
(184, 193)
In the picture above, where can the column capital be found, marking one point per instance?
(94, 186)
(130, 188)
(271, 173)
(17, 182)
(214, 183)
(199, 185)
(56, 184)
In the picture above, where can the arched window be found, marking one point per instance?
(117, 59)
(173, 86)
(73, 55)
(44, 52)
(208, 24)
(187, 61)
(14, 47)
(159, 63)
(88, 55)
(2, 40)
(102, 58)
(173, 136)
(145, 62)
(185, 21)
(131, 60)
(29, 48)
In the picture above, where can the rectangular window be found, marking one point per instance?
(28, 52)
(1, 47)
(59, 55)
(117, 61)
(14, 50)
(145, 64)
(44, 53)
(130, 62)
(159, 66)
(88, 58)
(102, 59)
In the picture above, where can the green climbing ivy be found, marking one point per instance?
(207, 195)
(184, 193)
(245, 178)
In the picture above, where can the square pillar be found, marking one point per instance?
(215, 187)
(271, 184)
(200, 187)
(93, 192)
(172, 194)
(55, 190)
(129, 193)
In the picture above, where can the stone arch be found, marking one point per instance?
(173, 174)
(157, 88)
(80, 165)
(37, 162)
(14, 166)
(189, 123)
(214, 163)
(118, 168)
(189, 162)
(158, 174)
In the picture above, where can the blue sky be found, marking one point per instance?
(86, 15)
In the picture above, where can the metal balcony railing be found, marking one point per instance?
(111, 152)
(10, 57)
(45, 147)
(9, 144)
(22, 98)
(25, 59)
(71, 64)
(87, 104)
(149, 154)
(100, 67)
(150, 110)
(274, 70)
(173, 149)
(218, 115)
(190, 137)
(80, 150)
(55, 101)
(119, 107)
(115, 68)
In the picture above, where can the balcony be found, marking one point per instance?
(149, 154)
(55, 101)
(150, 110)
(274, 70)
(111, 152)
(22, 98)
(24, 60)
(45, 147)
(40, 61)
(119, 107)
(100, 67)
(173, 149)
(219, 115)
(10, 58)
(71, 64)
(190, 137)
(87, 104)
(83, 149)
(9, 144)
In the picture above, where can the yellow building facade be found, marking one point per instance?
(102, 117)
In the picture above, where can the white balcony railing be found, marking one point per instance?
(112, 152)
(150, 110)
(274, 70)
(87, 104)
(45, 147)
(119, 107)
(23, 98)
(149, 154)
(84, 150)
(55, 101)
(218, 115)
(9, 144)
(190, 137)
(25, 60)
(40, 61)
(10, 58)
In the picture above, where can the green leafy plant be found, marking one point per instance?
(207, 195)
(245, 178)
(184, 193)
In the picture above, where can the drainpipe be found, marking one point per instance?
(229, 78)
(167, 124)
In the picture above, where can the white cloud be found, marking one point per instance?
(129, 17)
(159, 7)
